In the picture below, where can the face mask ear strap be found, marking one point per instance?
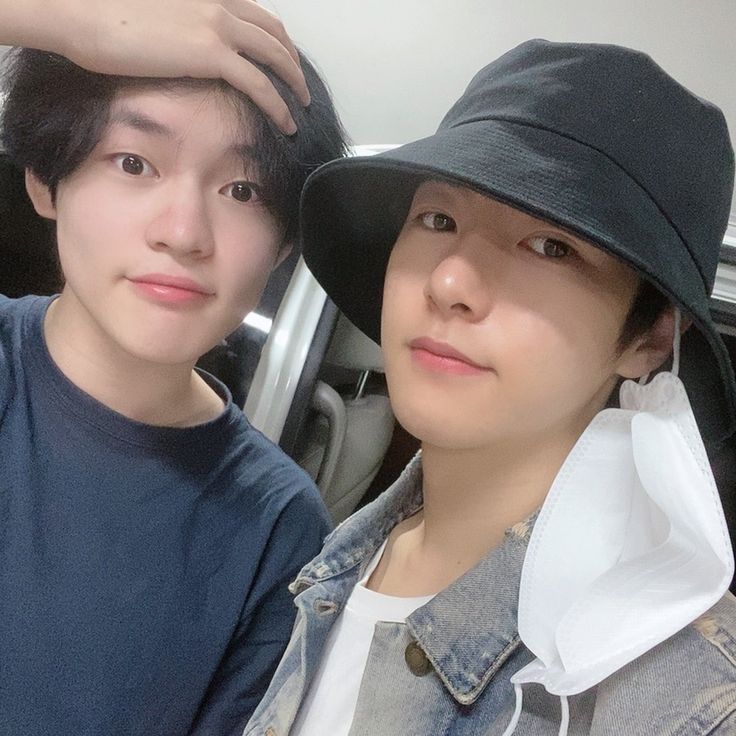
(676, 343)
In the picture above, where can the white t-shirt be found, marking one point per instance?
(333, 695)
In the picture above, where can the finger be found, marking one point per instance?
(243, 75)
(262, 47)
(251, 12)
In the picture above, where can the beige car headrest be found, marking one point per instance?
(352, 349)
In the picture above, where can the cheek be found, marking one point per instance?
(78, 242)
(564, 372)
(90, 219)
(390, 314)
(566, 353)
(246, 258)
(403, 295)
(572, 317)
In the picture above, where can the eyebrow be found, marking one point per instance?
(139, 121)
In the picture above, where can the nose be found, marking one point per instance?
(460, 284)
(180, 222)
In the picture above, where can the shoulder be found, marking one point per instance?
(13, 313)
(684, 686)
(16, 314)
(263, 466)
(267, 481)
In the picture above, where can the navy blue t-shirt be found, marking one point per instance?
(143, 570)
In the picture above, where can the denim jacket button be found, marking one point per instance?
(417, 660)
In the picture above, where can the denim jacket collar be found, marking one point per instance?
(354, 542)
(468, 649)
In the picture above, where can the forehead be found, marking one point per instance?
(182, 114)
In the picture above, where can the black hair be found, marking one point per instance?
(648, 304)
(55, 113)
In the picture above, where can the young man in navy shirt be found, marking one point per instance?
(149, 532)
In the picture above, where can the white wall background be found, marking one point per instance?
(395, 66)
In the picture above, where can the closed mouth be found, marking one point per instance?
(445, 352)
(171, 282)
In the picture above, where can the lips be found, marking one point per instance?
(169, 289)
(440, 356)
(176, 282)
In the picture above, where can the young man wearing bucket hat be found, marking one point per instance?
(556, 558)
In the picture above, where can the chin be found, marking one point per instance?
(159, 352)
(448, 430)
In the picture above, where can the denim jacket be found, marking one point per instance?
(446, 671)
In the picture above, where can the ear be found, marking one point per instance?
(283, 254)
(40, 196)
(649, 351)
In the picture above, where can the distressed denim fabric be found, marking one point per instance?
(467, 638)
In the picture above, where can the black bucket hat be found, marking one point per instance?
(595, 138)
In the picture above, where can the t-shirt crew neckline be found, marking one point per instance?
(85, 407)
(377, 606)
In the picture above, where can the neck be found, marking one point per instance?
(152, 393)
(471, 497)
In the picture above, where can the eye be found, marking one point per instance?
(550, 247)
(437, 221)
(134, 165)
(242, 191)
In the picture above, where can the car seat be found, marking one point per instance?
(346, 437)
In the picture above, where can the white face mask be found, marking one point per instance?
(630, 546)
